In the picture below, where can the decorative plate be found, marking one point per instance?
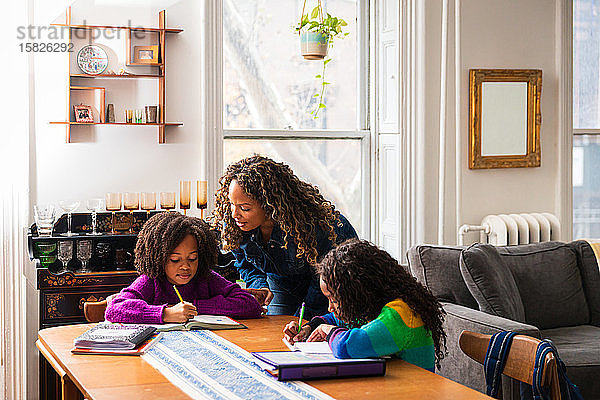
(92, 59)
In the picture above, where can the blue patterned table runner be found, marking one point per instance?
(206, 366)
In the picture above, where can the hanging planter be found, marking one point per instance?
(313, 45)
(316, 36)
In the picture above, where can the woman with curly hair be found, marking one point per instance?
(177, 250)
(376, 309)
(277, 227)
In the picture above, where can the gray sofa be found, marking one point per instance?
(546, 290)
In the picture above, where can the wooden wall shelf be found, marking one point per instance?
(160, 74)
(115, 76)
(117, 123)
(131, 28)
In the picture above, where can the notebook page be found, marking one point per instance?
(215, 319)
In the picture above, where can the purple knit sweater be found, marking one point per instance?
(144, 300)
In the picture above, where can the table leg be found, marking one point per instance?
(68, 389)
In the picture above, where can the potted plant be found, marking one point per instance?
(316, 36)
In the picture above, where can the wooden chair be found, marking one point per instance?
(519, 362)
(94, 310)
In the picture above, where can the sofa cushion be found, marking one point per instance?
(437, 267)
(579, 348)
(590, 274)
(491, 282)
(549, 283)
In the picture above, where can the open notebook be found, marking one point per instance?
(212, 322)
(309, 347)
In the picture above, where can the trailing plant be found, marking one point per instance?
(329, 27)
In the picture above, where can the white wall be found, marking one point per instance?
(121, 158)
(511, 34)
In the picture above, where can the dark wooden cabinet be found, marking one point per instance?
(62, 296)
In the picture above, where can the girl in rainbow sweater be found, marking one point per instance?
(376, 309)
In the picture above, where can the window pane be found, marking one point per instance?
(586, 63)
(266, 82)
(586, 186)
(323, 163)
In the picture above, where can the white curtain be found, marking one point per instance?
(15, 204)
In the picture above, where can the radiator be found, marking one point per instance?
(513, 229)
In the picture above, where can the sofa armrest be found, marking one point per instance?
(460, 368)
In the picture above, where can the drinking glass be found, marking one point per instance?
(201, 196)
(184, 195)
(45, 252)
(65, 253)
(131, 202)
(94, 205)
(84, 253)
(45, 216)
(68, 206)
(167, 200)
(113, 204)
(148, 202)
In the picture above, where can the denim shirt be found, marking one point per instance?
(254, 261)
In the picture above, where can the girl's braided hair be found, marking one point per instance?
(363, 278)
(162, 233)
(296, 206)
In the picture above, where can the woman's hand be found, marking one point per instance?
(292, 335)
(180, 312)
(262, 295)
(320, 334)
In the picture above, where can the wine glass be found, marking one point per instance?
(184, 195)
(84, 253)
(65, 253)
(131, 202)
(94, 205)
(113, 204)
(201, 196)
(167, 200)
(148, 202)
(68, 206)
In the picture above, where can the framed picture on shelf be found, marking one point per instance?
(145, 54)
(83, 113)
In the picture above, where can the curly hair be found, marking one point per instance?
(363, 278)
(162, 233)
(296, 206)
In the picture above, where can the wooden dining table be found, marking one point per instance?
(100, 377)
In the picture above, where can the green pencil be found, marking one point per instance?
(301, 316)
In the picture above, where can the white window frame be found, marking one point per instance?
(213, 108)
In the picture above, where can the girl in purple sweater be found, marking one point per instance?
(174, 249)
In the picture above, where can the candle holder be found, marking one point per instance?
(184, 195)
(113, 204)
(167, 200)
(201, 192)
(148, 202)
(131, 202)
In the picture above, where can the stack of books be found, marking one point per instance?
(116, 339)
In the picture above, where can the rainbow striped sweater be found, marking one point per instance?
(397, 331)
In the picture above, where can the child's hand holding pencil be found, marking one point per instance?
(180, 312)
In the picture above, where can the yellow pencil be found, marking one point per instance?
(178, 295)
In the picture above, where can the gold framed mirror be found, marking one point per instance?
(504, 118)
